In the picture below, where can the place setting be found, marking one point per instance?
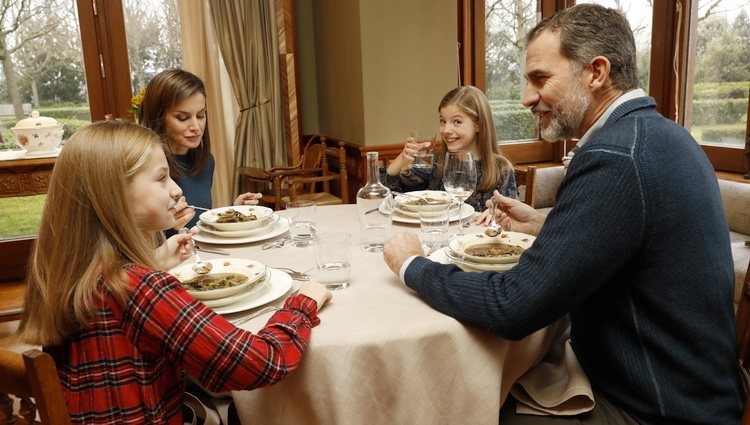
(232, 285)
(481, 252)
(409, 205)
(239, 224)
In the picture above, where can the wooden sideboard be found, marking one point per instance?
(22, 177)
(19, 177)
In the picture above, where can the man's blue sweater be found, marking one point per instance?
(637, 251)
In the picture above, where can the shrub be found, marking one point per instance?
(514, 124)
(731, 134)
(731, 90)
(719, 111)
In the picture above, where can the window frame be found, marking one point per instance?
(107, 71)
(664, 85)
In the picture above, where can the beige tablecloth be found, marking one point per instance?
(381, 355)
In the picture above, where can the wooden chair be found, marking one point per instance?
(26, 376)
(312, 165)
(743, 341)
(540, 183)
(305, 186)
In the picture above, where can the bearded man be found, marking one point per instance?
(636, 249)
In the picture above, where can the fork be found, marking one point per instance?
(294, 273)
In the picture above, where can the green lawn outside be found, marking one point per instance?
(20, 216)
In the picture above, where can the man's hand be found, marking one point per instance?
(401, 246)
(516, 216)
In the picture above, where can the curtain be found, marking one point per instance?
(246, 34)
(202, 58)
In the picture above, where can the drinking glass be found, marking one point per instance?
(333, 258)
(423, 158)
(301, 222)
(434, 223)
(460, 179)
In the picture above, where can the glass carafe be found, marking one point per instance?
(375, 206)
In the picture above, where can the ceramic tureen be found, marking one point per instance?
(38, 134)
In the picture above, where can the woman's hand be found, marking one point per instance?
(405, 159)
(182, 213)
(176, 249)
(316, 291)
(248, 198)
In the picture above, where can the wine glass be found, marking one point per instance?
(460, 179)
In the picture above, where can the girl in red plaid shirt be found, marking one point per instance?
(124, 333)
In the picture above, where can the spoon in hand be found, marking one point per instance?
(494, 228)
(200, 266)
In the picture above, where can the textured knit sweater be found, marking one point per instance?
(197, 188)
(637, 251)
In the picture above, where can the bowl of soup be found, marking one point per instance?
(239, 217)
(227, 277)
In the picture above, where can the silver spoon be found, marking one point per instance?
(200, 266)
(494, 228)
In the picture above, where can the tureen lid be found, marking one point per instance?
(35, 122)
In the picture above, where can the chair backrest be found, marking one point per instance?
(305, 186)
(313, 159)
(32, 378)
(538, 185)
(743, 341)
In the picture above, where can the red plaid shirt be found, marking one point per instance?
(129, 365)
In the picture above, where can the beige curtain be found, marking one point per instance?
(246, 33)
(203, 58)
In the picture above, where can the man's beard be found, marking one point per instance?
(567, 115)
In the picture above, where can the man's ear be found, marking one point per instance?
(599, 76)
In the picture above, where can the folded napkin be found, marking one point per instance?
(556, 386)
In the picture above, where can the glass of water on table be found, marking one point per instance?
(333, 259)
(302, 225)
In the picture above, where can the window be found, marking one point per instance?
(507, 23)
(43, 71)
(152, 45)
(49, 73)
(716, 103)
(701, 81)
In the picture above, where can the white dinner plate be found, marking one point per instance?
(281, 227)
(458, 245)
(443, 256)
(207, 228)
(466, 210)
(279, 284)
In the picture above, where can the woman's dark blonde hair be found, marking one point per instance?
(88, 230)
(165, 90)
(471, 101)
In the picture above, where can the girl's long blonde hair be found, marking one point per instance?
(88, 230)
(471, 101)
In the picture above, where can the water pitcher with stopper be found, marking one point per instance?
(375, 207)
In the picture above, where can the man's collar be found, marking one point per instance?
(632, 94)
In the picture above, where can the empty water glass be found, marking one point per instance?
(301, 222)
(434, 222)
(333, 258)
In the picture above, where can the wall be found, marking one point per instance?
(380, 67)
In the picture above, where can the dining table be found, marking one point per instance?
(382, 355)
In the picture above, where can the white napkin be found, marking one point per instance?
(556, 386)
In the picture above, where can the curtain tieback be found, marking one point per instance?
(255, 105)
